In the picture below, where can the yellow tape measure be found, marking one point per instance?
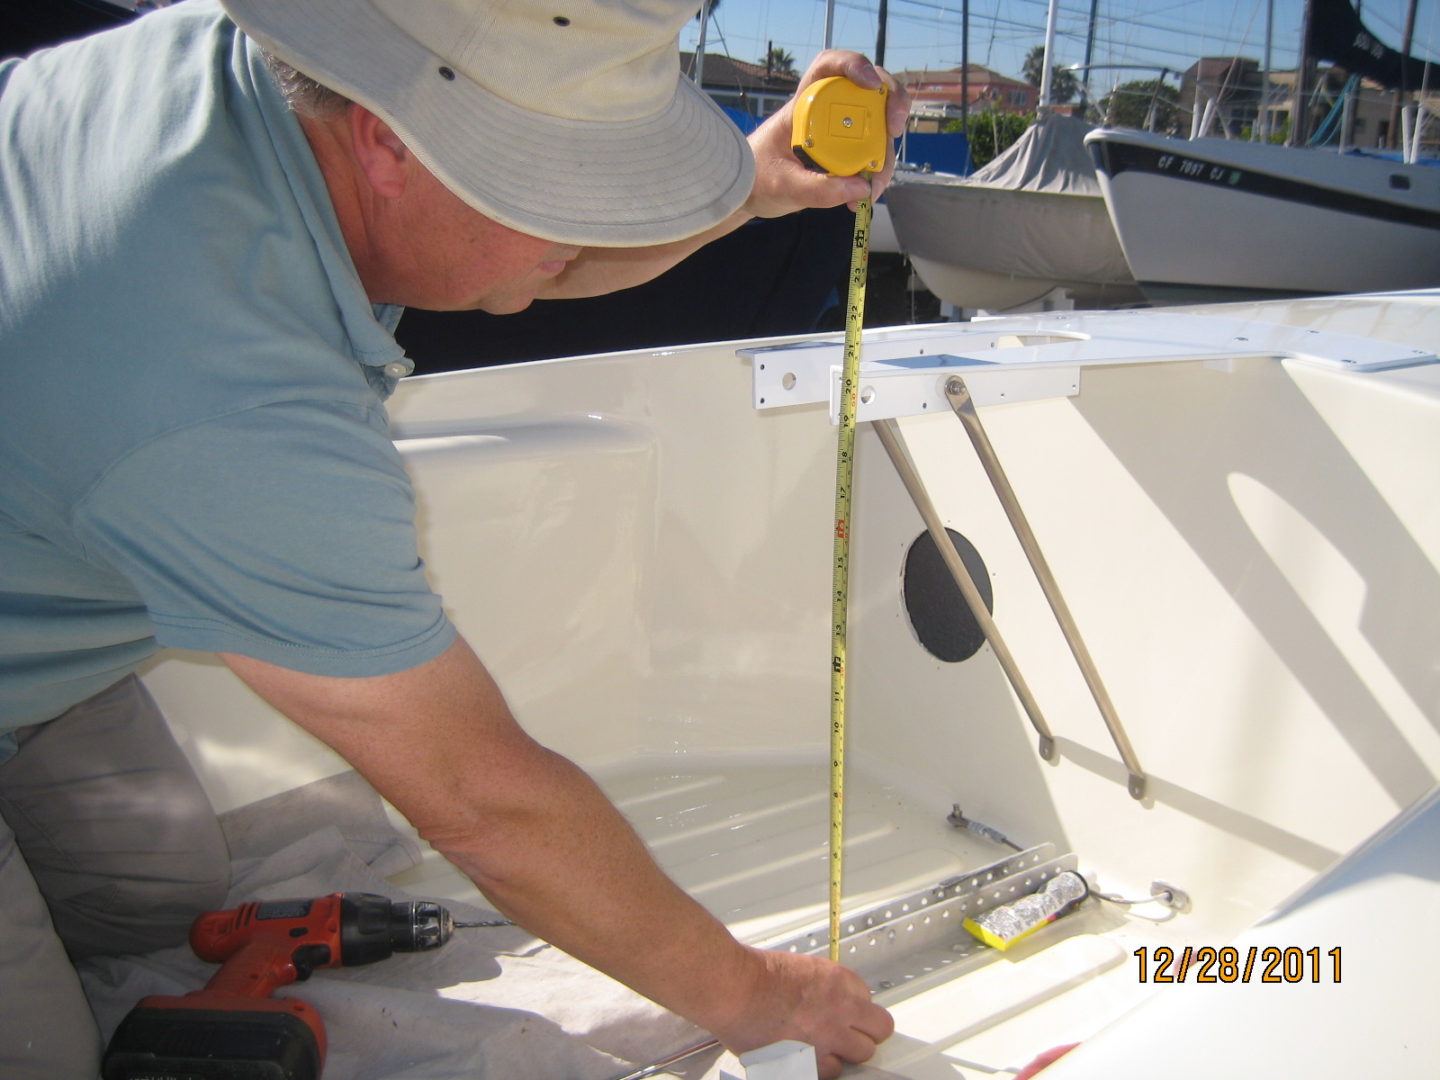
(839, 128)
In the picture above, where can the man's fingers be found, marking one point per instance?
(876, 1024)
(897, 106)
(860, 1041)
(855, 1046)
(852, 1048)
(852, 65)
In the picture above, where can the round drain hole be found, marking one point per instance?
(937, 610)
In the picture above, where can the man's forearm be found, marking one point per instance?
(531, 829)
(570, 869)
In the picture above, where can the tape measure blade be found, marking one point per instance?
(844, 493)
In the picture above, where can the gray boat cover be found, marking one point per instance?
(1035, 215)
(1049, 156)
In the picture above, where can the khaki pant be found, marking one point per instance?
(108, 846)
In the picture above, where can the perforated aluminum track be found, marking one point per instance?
(919, 937)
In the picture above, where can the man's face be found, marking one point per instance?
(460, 260)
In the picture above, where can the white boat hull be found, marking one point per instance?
(1215, 218)
(1249, 545)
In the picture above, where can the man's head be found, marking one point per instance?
(566, 120)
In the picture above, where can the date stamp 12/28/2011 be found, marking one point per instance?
(1261, 964)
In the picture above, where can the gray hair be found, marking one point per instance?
(304, 95)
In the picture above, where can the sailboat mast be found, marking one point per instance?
(965, 69)
(1264, 124)
(880, 33)
(1089, 53)
(1048, 65)
(699, 73)
(1300, 110)
(1400, 94)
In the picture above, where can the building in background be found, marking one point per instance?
(938, 95)
(750, 89)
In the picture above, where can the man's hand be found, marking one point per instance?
(782, 183)
(814, 1001)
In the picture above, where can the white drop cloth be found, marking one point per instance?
(492, 1003)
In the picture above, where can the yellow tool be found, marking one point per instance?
(839, 128)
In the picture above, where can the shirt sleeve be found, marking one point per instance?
(283, 532)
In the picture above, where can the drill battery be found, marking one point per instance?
(175, 1039)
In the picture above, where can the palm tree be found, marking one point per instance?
(1063, 84)
(778, 61)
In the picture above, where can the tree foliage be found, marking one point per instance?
(779, 61)
(1064, 86)
(1129, 105)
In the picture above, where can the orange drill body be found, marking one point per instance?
(234, 1027)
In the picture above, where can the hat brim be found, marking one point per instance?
(634, 183)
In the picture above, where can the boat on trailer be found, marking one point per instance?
(1207, 544)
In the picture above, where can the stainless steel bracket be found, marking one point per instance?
(1025, 358)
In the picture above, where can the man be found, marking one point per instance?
(196, 298)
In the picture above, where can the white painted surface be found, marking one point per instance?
(1251, 549)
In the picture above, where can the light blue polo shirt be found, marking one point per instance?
(193, 441)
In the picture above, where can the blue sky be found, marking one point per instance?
(927, 33)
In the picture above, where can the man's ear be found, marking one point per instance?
(382, 157)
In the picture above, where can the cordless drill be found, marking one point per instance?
(233, 1028)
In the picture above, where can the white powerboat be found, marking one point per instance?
(1235, 509)
(1218, 219)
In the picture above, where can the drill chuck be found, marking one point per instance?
(372, 927)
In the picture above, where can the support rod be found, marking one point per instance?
(655, 1068)
(958, 395)
(889, 433)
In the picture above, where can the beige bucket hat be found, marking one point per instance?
(564, 119)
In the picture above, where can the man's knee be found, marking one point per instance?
(134, 914)
(114, 825)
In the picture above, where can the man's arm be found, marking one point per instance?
(782, 186)
(549, 850)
